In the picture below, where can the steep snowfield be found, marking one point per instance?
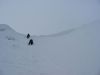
(72, 52)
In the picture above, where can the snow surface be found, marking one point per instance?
(72, 52)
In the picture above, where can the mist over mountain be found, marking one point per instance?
(43, 17)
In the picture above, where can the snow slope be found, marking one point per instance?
(72, 52)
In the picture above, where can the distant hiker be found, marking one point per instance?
(28, 36)
(31, 42)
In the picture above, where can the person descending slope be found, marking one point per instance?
(31, 42)
(28, 36)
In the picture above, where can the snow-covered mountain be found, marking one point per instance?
(72, 52)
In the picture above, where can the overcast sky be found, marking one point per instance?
(41, 17)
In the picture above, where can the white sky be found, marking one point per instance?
(40, 17)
